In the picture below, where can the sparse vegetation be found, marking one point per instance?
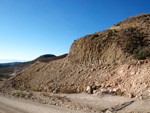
(118, 24)
(119, 93)
(95, 35)
(35, 88)
(68, 90)
(138, 46)
(30, 95)
(23, 94)
(19, 94)
(141, 53)
(22, 88)
(4, 76)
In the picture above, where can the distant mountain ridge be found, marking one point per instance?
(6, 69)
(11, 63)
(44, 56)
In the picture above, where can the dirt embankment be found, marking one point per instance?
(130, 80)
(128, 43)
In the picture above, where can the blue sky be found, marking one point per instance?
(30, 28)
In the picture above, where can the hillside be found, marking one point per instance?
(114, 60)
(6, 69)
(123, 42)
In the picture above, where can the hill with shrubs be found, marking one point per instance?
(6, 69)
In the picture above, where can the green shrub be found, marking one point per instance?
(142, 54)
(4, 76)
(30, 95)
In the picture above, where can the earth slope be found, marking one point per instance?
(116, 59)
(125, 41)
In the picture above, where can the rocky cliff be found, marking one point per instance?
(126, 41)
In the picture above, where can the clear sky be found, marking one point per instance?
(30, 28)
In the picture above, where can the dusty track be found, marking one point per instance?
(12, 105)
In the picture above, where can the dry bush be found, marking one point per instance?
(19, 94)
(29, 95)
(53, 96)
(142, 53)
(68, 90)
(35, 88)
(118, 93)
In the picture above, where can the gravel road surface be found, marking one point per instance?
(13, 105)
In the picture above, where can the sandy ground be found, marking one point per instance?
(97, 101)
(139, 106)
(13, 105)
(77, 103)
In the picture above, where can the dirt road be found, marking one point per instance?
(13, 105)
(87, 102)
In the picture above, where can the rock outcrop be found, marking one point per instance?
(121, 43)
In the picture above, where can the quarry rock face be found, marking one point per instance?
(121, 43)
(96, 49)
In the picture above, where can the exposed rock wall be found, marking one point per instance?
(118, 44)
